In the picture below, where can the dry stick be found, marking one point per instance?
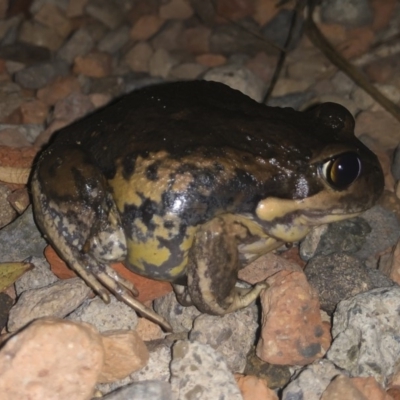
(319, 41)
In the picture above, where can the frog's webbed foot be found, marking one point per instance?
(102, 277)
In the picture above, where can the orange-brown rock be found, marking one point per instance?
(211, 60)
(58, 89)
(292, 330)
(254, 388)
(124, 353)
(51, 358)
(149, 289)
(146, 26)
(95, 65)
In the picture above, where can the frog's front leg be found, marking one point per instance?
(75, 210)
(213, 268)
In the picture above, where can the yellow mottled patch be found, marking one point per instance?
(149, 252)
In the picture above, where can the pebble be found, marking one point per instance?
(198, 370)
(105, 317)
(105, 11)
(348, 13)
(364, 344)
(39, 75)
(114, 40)
(124, 353)
(232, 335)
(7, 213)
(79, 44)
(337, 277)
(56, 300)
(147, 390)
(54, 357)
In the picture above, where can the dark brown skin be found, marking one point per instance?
(169, 175)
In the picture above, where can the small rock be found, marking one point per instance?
(176, 9)
(21, 239)
(197, 40)
(38, 4)
(235, 9)
(232, 335)
(79, 44)
(33, 111)
(286, 86)
(370, 388)
(138, 57)
(239, 78)
(161, 63)
(187, 71)
(95, 65)
(56, 300)
(385, 232)
(341, 387)
(211, 60)
(362, 98)
(311, 382)
(352, 13)
(382, 69)
(124, 353)
(198, 370)
(337, 277)
(72, 107)
(106, 12)
(342, 83)
(76, 8)
(276, 29)
(51, 358)
(169, 38)
(114, 40)
(13, 137)
(292, 330)
(112, 86)
(38, 277)
(59, 89)
(39, 35)
(379, 125)
(25, 53)
(51, 16)
(364, 344)
(262, 66)
(10, 98)
(148, 330)
(146, 27)
(147, 390)
(7, 212)
(253, 388)
(105, 317)
(181, 318)
(40, 75)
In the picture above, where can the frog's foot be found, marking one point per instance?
(241, 298)
(101, 276)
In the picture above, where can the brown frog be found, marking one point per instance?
(188, 182)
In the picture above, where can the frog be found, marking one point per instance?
(189, 182)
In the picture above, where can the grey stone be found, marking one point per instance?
(29, 131)
(231, 335)
(311, 381)
(342, 83)
(199, 372)
(181, 318)
(337, 277)
(9, 30)
(146, 390)
(350, 13)
(231, 39)
(105, 317)
(25, 53)
(38, 277)
(79, 44)
(39, 75)
(21, 239)
(56, 300)
(105, 11)
(365, 331)
(113, 41)
(7, 212)
(38, 4)
(277, 29)
(239, 78)
(10, 98)
(385, 231)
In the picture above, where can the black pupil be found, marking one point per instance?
(344, 170)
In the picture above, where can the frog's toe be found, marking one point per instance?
(241, 298)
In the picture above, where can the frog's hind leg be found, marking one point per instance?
(212, 271)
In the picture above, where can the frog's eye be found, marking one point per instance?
(341, 171)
